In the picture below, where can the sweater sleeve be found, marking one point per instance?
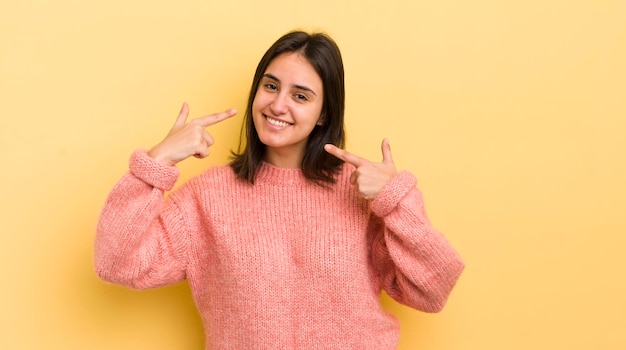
(415, 263)
(141, 241)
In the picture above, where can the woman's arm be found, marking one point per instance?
(415, 263)
(140, 242)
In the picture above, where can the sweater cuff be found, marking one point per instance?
(393, 192)
(152, 172)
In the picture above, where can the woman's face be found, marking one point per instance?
(286, 108)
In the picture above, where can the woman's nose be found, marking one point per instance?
(279, 104)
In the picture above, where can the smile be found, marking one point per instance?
(277, 122)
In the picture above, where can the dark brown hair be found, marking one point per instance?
(318, 165)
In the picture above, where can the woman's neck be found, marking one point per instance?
(284, 158)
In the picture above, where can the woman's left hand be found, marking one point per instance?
(369, 177)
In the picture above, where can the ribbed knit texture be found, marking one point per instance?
(283, 263)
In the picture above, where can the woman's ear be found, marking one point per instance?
(321, 121)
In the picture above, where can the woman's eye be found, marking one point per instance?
(271, 86)
(301, 97)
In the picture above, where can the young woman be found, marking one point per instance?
(290, 245)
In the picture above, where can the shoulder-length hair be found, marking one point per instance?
(317, 165)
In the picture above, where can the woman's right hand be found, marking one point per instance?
(187, 139)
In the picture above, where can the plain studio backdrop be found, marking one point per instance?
(512, 114)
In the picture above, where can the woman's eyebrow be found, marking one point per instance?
(300, 87)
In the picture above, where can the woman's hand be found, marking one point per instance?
(187, 139)
(369, 177)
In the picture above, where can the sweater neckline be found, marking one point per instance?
(275, 175)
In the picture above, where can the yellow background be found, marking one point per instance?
(511, 113)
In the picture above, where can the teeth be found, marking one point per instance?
(277, 122)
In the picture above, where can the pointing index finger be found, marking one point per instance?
(344, 155)
(215, 118)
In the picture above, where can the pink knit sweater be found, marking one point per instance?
(281, 264)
